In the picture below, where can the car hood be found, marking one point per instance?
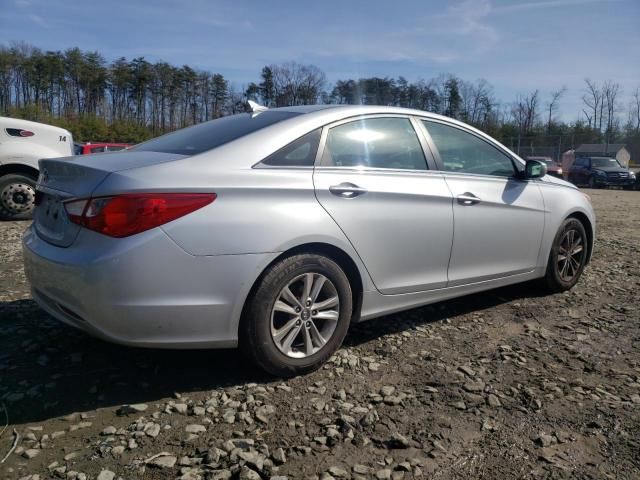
(611, 169)
(557, 181)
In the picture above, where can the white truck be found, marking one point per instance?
(22, 144)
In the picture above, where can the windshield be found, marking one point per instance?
(209, 135)
(604, 162)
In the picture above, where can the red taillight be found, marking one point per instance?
(128, 214)
(26, 133)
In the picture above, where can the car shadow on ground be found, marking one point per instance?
(49, 370)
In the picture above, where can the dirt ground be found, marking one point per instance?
(511, 383)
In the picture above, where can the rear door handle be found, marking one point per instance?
(467, 199)
(347, 190)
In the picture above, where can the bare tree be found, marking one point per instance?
(610, 91)
(477, 100)
(593, 101)
(552, 106)
(525, 111)
(296, 84)
(634, 110)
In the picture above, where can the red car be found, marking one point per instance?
(87, 148)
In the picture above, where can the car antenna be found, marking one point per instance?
(257, 108)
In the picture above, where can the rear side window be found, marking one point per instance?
(299, 153)
(209, 135)
(376, 143)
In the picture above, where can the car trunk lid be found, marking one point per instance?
(70, 178)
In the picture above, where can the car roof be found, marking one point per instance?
(323, 114)
(348, 110)
(335, 112)
(305, 108)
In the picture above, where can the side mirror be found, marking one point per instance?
(534, 169)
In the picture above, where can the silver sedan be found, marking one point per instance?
(277, 229)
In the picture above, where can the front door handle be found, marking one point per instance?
(467, 199)
(347, 190)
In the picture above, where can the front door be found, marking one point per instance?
(374, 181)
(499, 219)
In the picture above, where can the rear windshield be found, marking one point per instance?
(208, 135)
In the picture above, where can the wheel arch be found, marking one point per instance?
(338, 255)
(20, 168)
(588, 227)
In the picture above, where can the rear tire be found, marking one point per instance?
(17, 196)
(568, 256)
(288, 336)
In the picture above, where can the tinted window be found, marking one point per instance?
(208, 135)
(98, 149)
(115, 148)
(463, 152)
(299, 153)
(581, 162)
(374, 142)
(604, 162)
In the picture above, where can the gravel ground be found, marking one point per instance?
(511, 383)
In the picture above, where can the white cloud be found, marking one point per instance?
(38, 19)
(469, 19)
(514, 7)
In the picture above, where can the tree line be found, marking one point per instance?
(132, 100)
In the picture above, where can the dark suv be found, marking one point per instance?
(596, 172)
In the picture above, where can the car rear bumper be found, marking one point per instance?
(143, 290)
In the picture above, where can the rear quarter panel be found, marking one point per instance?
(256, 210)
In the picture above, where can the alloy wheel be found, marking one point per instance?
(305, 315)
(571, 254)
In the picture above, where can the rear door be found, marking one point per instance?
(373, 178)
(578, 170)
(498, 218)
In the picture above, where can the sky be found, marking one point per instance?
(517, 45)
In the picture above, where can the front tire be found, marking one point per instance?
(568, 256)
(298, 315)
(17, 196)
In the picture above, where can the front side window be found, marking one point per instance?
(299, 153)
(463, 152)
(375, 143)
